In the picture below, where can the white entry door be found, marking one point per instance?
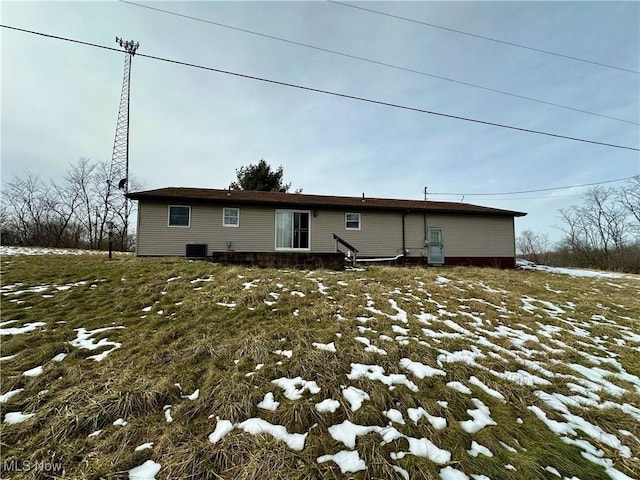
(436, 248)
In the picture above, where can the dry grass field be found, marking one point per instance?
(155, 368)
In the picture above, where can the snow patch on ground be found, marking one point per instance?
(375, 372)
(477, 449)
(147, 471)
(294, 388)
(420, 370)
(27, 327)
(85, 341)
(4, 398)
(144, 446)
(347, 461)
(222, 428)
(450, 473)
(574, 272)
(268, 403)
(481, 418)
(34, 372)
(329, 347)
(256, 426)
(17, 417)
(7, 250)
(355, 397)
(327, 405)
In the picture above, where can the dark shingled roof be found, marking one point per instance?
(299, 200)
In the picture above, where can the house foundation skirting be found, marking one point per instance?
(333, 261)
(494, 262)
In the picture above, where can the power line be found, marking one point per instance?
(534, 198)
(462, 32)
(533, 191)
(375, 62)
(514, 199)
(47, 35)
(335, 94)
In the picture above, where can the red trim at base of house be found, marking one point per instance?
(337, 260)
(281, 259)
(494, 262)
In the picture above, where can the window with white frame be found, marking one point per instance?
(179, 216)
(352, 221)
(231, 217)
(292, 230)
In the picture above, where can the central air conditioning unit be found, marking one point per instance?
(196, 251)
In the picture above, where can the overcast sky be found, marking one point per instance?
(192, 127)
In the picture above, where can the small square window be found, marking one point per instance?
(179, 216)
(231, 217)
(352, 221)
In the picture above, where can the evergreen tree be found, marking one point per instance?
(260, 177)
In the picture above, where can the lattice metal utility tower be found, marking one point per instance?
(119, 168)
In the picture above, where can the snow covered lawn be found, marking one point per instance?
(166, 369)
(7, 250)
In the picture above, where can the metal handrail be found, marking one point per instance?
(350, 247)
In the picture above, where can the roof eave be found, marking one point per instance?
(316, 203)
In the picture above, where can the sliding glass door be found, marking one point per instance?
(292, 230)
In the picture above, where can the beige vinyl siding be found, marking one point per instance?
(155, 237)
(475, 236)
(380, 233)
(415, 235)
(256, 232)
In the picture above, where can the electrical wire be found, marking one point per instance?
(328, 92)
(534, 191)
(462, 32)
(56, 37)
(534, 198)
(511, 199)
(376, 62)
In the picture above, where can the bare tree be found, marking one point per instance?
(533, 246)
(598, 233)
(62, 202)
(75, 212)
(629, 197)
(101, 202)
(24, 201)
(79, 178)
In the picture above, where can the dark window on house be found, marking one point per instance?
(292, 230)
(179, 216)
(352, 221)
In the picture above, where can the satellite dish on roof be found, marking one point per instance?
(122, 183)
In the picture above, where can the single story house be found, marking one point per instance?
(241, 224)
